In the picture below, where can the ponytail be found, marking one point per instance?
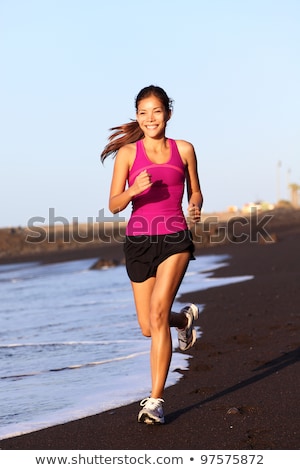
(125, 134)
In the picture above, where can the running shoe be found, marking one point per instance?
(152, 411)
(187, 337)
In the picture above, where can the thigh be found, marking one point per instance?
(158, 293)
(168, 279)
(142, 292)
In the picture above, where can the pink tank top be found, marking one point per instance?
(158, 210)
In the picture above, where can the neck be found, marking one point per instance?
(155, 145)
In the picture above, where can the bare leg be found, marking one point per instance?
(154, 299)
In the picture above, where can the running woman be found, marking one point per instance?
(150, 172)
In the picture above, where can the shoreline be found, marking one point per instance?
(241, 388)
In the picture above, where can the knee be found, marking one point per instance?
(158, 318)
(146, 333)
(145, 329)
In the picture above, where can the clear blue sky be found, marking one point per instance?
(70, 70)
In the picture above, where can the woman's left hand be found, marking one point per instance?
(194, 213)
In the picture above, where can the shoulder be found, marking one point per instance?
(126, 154)
(186, 150)
(127, 149)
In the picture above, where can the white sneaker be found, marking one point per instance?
(187, 337)
(152, 412)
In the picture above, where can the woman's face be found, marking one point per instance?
(152, 117)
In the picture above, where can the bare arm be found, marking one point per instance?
(195, 197)
(120, 197)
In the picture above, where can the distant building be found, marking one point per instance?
(295, 194)
(232, 209)
(257, 206)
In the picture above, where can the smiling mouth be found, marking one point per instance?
(152, 127)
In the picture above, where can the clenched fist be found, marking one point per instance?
(142, 182)
(194, 213)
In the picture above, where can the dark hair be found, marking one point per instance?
(157, 91)
(131, 131)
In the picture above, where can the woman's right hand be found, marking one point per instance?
(142, 182)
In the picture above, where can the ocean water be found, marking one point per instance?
(70, 345)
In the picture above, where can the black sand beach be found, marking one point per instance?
(242, 387)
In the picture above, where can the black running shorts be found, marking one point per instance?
(144, 253)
